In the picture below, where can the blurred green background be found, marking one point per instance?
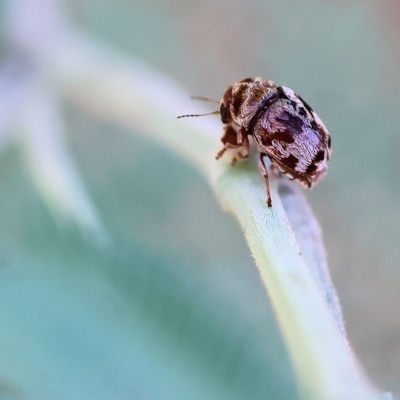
(172, 307)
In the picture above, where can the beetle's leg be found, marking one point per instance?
(220, 153)
(240, 136)
(230, 140)
(244, 140)
(264, 173)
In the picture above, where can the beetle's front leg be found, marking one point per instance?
(233, 139)
(229, 139)
(243, 138)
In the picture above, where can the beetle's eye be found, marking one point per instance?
(222, 110)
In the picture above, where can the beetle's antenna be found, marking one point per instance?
(198, 115)
(201, 98)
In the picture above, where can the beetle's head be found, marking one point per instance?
(225, 106)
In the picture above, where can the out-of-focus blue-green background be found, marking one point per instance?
(173, 307)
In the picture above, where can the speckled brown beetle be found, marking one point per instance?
(285, 128)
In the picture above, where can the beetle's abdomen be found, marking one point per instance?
(292, 141)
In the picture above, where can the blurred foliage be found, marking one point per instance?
(151, 315)
(173, 308)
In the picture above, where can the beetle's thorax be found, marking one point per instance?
(249, 98)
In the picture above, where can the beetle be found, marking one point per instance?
(284, 128)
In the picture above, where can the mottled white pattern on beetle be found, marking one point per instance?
(319, 122)
(292, 96)
(259, 89)
(325, 133)
(306, 145)
(247, 111)
(304, 148)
